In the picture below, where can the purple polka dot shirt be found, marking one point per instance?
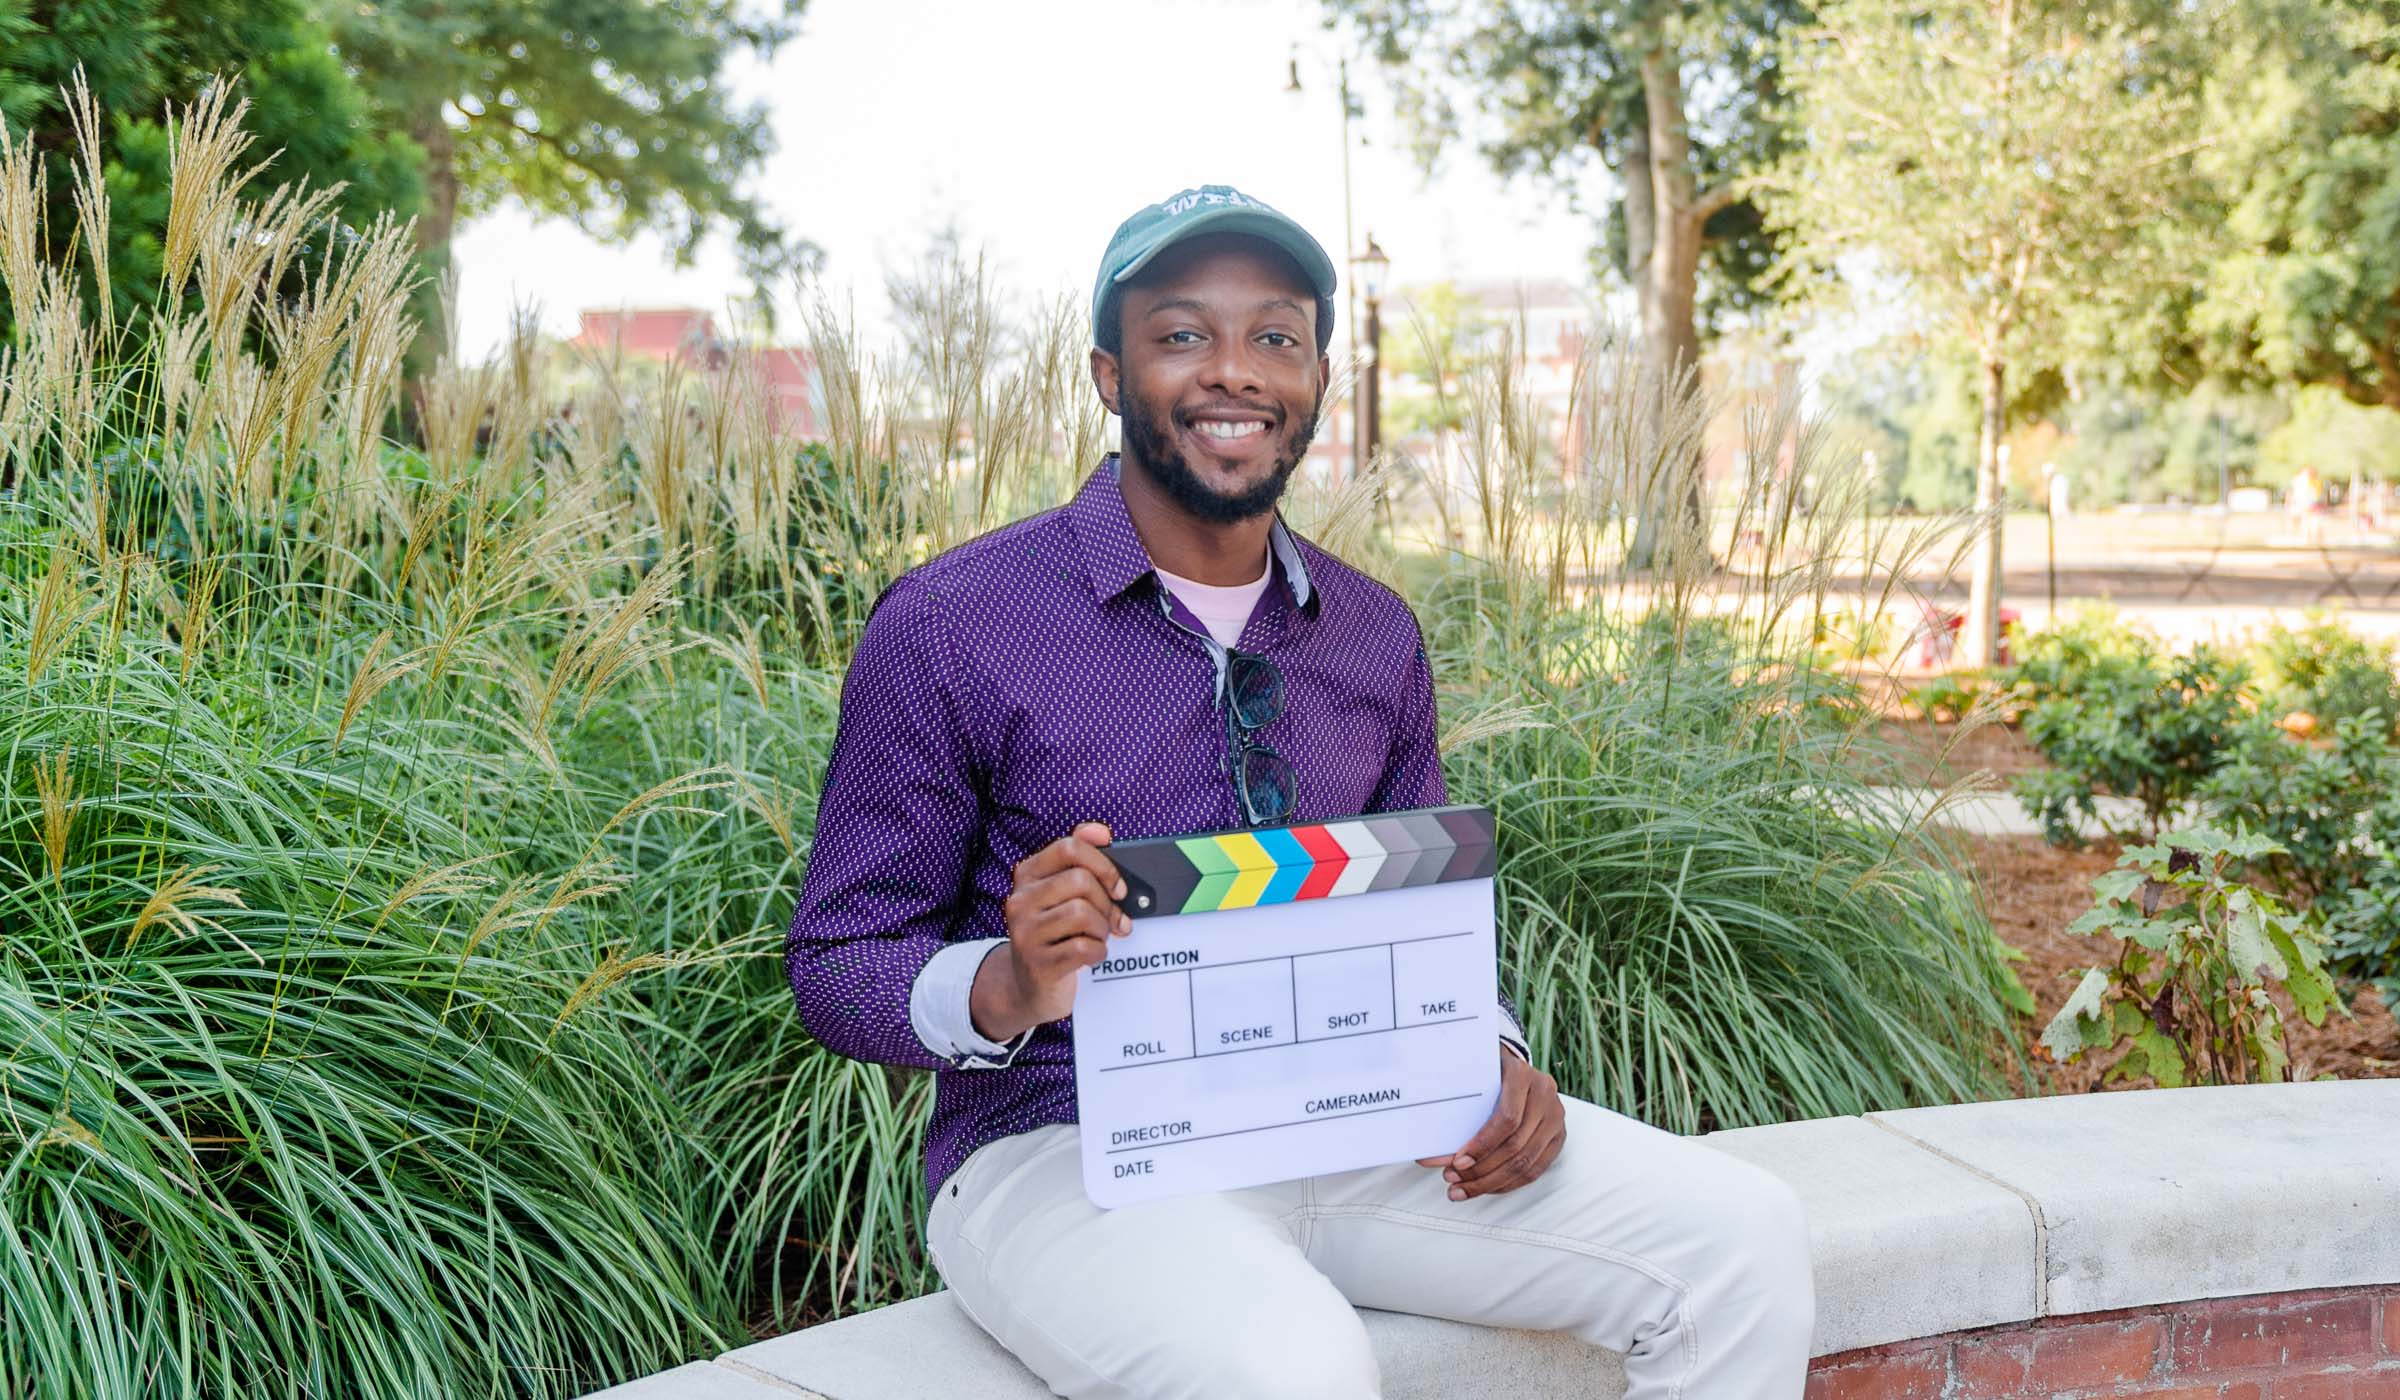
(1034, 677)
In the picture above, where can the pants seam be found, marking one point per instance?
(1544, 1239)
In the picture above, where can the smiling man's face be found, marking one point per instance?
(1218, 378)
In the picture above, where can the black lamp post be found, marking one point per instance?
(1370, 266)
(1341, 83)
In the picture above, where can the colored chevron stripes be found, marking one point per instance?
(1280, 865)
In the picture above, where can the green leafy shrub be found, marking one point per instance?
(1948, 697)
(2326, 672)
(2198, 950)
(2363, 919)
(2137, 725)
(2058, 659)
(2312, 799)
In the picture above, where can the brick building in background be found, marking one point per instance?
(689, 337)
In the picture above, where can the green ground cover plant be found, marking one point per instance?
(2197, 950)
(396, 842)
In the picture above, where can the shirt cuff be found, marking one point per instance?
(938, 1009)
(1512, 1035)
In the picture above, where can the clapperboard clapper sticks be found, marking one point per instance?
(1290, 1001)
(1276, 865)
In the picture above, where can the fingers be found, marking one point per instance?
(1079, 851)
(1506, 1114)
(1525, 1167)
(1033, 910)
(1501, 1168)
(1524, 1135)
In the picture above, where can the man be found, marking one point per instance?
(1077, 677)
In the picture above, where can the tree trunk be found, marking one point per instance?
(434, 229)
(1641, 215)
(1669, 280)
(1981, 644)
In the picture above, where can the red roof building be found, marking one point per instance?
(688, 336)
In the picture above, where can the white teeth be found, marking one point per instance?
(1231, 430)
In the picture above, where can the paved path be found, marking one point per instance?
(1998, 813)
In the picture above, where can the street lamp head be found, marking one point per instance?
(1372, 264)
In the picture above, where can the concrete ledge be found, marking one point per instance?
(1923, 1222)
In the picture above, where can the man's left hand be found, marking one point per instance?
(1521, 1140)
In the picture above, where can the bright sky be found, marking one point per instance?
(1037, 126)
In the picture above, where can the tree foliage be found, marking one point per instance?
(1559, 91)
(2000, 159)
(139, 56)
(616, 118)
(2305, 187)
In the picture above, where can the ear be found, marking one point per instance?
(1324, 373)
(1104, 378)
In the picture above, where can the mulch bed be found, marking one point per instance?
(2034, 891)
(1937, 755)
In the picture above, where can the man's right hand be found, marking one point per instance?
(1061, 914)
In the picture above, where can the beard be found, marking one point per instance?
(1148, 442)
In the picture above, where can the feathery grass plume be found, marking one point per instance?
(743, 652)
(620, 641)
(176, 353)
(699, 780)
(24, 195)
(421, 510)
(1488, 724)
(170, 903)
(54, 783)
(611, 641)
(1342, 518)
(773, 812)
(437, 882)
(505, 912)
(614, 967)
(455, 880)
(369, 679)
(663, 449)
(60, 608)
(242, 402)
(208, 142)
(195, 620)
(91, 197)
(15, 414)
(753, 464)
(948, 318)
(243, 250)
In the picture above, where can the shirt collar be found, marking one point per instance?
(1113, 556)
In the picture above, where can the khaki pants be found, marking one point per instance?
(1692, 1263)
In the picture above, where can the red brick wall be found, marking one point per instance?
(2323, 1344)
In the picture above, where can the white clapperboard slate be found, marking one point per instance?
(1291, 1001)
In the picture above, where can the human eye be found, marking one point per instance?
(1280, 339)
(1191, 337)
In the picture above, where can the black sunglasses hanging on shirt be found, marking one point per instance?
(1262, 779)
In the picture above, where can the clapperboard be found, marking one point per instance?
(1291, 1001)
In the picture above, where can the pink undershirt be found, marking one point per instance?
(1222, 610)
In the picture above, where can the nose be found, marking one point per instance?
(1234, 369)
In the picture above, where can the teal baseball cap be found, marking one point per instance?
(1208, 209)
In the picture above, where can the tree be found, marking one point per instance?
(1675, 98)
(2306, 184)
(138, 56)
(2000, 158)
(613, 117)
